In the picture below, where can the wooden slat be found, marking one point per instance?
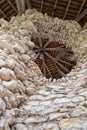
(42, 5)
(12, 5)
(56, 2)
(20, 6)
(81, 15)
(81, 7)
(28, 3)
(4, 15)
(67, 9)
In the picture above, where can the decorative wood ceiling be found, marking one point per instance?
(64, 9)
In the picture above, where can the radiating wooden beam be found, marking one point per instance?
(81, 7)
(78, 18)
(40, 41)
(69, 2)
(28, 3)
(4, 15)
(58, 63)
(12, 5)
(56, 1)
(42, 5)
(20, 6)
(44, 65)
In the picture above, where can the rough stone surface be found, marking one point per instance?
(29, 101)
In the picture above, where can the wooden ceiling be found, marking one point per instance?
(64, 9)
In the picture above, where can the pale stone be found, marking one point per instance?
(6, 74)
(11, 85)
(36, 98)
(62, 100)
(78, 99)
(2, 63)
(20, 127)
(10, 63)
(44, 93)
(84, 94)
(56, 116)
(66, 123)
(31, 91)
(35, 120)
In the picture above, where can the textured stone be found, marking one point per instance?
(78, 99)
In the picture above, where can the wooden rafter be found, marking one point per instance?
(2, 12)
(46, 44)
(28, 3)
(81, 15)
(42, 5)
(40, 41)
(58, 63)
(12, 5)
(56, 2)
(48, 71)
(20, 6)
(44, 65)
(69, 2)
(52, 58)
(81, 7)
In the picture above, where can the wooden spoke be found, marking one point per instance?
(5, 16)
(83, 2)
(58, 63)
(54, 49)
(59, 71)
(42, 5)
(46, 44)
(40, 42)
(43, 64)
(52, 58)
(65, 62)
(20, 6)
(28, 3)
(56, 1)
(69, 2)
(9, 1)
(79, 17)
(48, 71)
(61, 54)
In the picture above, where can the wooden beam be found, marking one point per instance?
(58, 63)
(43, 65)
(28, 3)
(56, 2)
(42, 5)
(81, 15)
(5, 16)
(81, 7)
(20, 6)
(12, 5)
(69, 2)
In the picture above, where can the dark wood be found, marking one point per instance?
(68, 5)
(12, 5)
(78, 18)
(28, 3)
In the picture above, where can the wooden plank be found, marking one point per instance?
(20, 6)
(56, 2)
(28, 3)
(42, 5)
(12, 5)
(81, 15)
(69, 2)
(4, 15)
(81, 7)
